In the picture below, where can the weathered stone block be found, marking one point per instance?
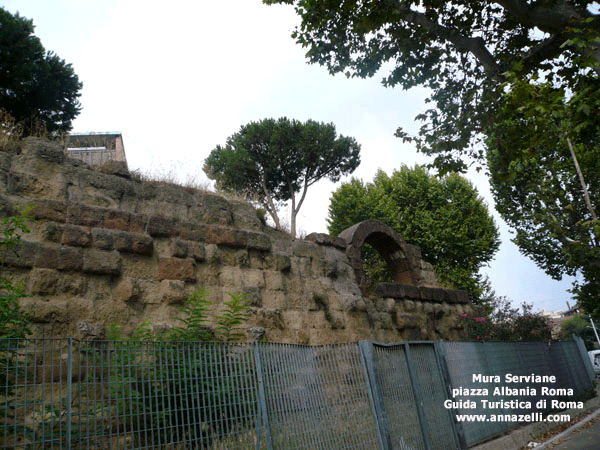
(102, 239)
(127, 290)
(274, 299)
(274, 280)
(231, 277)
(44, 149)
(253, 278)
(433, 294)
(70, 258)
(162, 226)
(46, 312)
(149, 292)
(23, 256)
(390, 304)
(76, 236)
(173, 292)
(141, 245)
(253, 296)
(49, 210)
(269, 318)
(176, 269)
(305, 249)
(254, 240)
(234, 257)
(396, 290)
(403, 320)
(52, 232)
(102, 262)
(325, 239)
(280, 262)
(179, 248)
(294, 320)
(257, 259)
(78, 214)
(198, 251)
(137, 223)
(47, 256)
(213, 254)
(457, 297)
(43, 281)
(132, 243)
(116, 220)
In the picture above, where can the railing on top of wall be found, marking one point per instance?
(69, 394)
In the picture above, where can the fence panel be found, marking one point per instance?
(466, 360)
(35, 409)
(569, 367)
(317, 397)
(68, 394)
(131, 395)
(413, 393)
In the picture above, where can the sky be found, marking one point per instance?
(177, 78)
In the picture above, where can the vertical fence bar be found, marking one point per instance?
(417, 393)
(262, 399)
(69, 390)
(442, 362)
(383, 429)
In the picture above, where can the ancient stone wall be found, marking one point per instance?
(106, 249)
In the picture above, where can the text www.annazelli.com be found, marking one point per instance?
(533, 417)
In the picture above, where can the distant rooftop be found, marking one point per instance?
(96, 148)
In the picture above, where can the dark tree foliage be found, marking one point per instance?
(444, 216)
(460, 50)
(493, 68)
(273, 160)
(544, 161)
(37, 88)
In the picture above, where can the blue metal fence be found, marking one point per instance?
(69, 394)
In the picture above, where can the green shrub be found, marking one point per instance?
(177, 387)
(13, 323)
(499, 321)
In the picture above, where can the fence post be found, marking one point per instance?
(381, 424)
(69, 390)
(262, 400)
(416, 388)
(586, 359)
(442, 362)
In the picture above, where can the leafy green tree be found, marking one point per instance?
(274, 160)
(444, 216)
(36, 87)
(459, 50)
(465, 53)
(544, 161)
(579, 325)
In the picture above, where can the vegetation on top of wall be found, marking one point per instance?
(498, 320)
(276, 161)
(446, 217)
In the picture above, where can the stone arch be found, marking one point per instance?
(394, 250)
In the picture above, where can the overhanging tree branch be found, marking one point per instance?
(586, 193)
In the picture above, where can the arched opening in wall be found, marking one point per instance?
(390, 252)
(376, 269)
(378, 254)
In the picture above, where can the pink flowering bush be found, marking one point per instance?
(497, 320)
